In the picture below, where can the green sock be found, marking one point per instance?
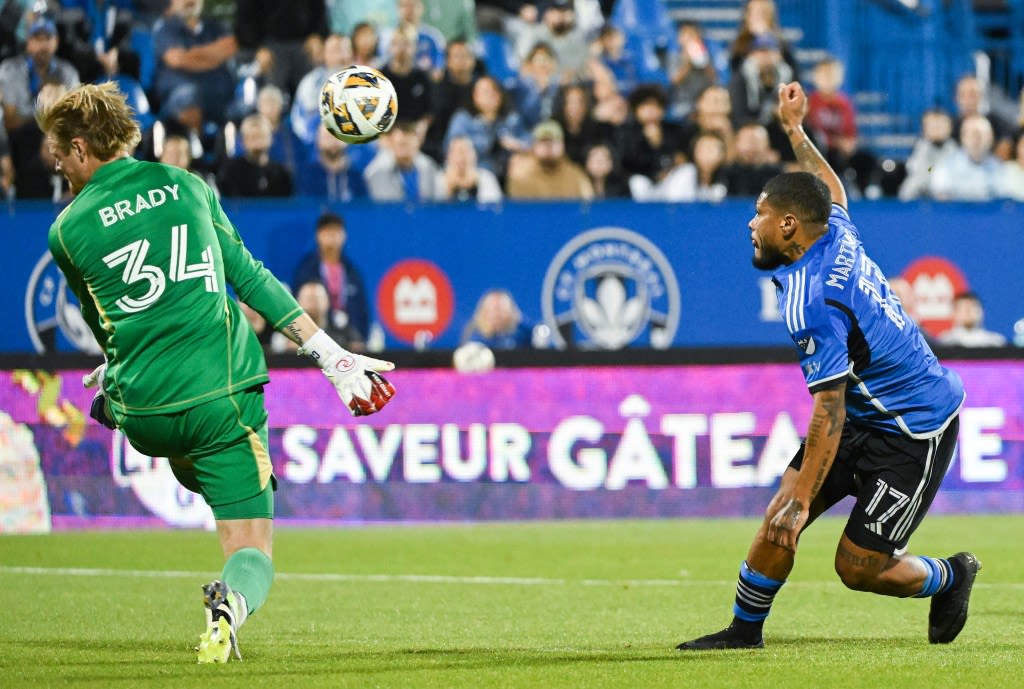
(249, 572)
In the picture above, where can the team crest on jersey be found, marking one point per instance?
(51, 310)
(609, 288)
(806, 343)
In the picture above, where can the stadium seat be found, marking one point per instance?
(142, 43)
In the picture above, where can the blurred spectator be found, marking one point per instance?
(428, 43)
(254, 173)
(971, 100)
(711, 113)
(605, 174)
(1013, 171)
(545, 172)
(313, 298)
(177, 152)
(400, 171)
(710, 158)
(331, 171)
(252, 76)
(413, 86)
(22, 76)
(973, 172)
(968, 325)
(455, 19)
(182, 116)
(653, 150)
(193, 52)
(129, 85)
(753, 87)
(692, 67)
(936, 143)
(365, 45)
(830, 110)
(573, 111)
(346, 15)
(453, 91)
(347, 310)
(35, 174)
(754, 165)
(831, 113)
(492, 16)
(627, 67)
(38, 178)
(259, 326)
(290, 30)
(537, 85)
(760, 18)
(610, 107)
(6, 167)
(495, 130)
(463, 180)
(558, 29)
(305, 114)
(93, 35)
(284, 148)
(498, 323)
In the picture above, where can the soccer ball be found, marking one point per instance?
(358, 104)
(473, 357)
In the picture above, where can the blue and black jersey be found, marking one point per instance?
(850, 327)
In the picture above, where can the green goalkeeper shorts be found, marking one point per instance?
(217, 449)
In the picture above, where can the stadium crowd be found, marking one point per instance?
(566, 99)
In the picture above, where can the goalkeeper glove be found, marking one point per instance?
(98, 409)
(355, 377)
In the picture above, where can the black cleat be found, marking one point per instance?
(728, 638)
(949, 610)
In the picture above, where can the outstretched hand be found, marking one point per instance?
(792, 104)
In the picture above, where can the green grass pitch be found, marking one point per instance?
(549, 604)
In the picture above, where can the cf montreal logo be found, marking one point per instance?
(609, 288)
(50, 307)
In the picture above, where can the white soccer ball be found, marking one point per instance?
(473, 357)
(358, 104)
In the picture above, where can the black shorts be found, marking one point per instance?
(895, 479)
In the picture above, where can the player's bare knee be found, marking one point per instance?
(855, 576)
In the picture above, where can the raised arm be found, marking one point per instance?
(792, 111)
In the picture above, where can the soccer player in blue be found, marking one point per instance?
(885, 417)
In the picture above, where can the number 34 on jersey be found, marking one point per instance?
(133, 256)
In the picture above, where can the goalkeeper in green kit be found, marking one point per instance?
(149, 252)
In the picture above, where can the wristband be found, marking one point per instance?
(320, 347)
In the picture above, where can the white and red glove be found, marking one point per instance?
(356, 377)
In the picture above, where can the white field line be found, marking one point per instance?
(425, 578)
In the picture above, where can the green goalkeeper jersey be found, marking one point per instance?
(149, 252)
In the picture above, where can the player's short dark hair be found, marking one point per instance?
(329, 219)
(804, 195)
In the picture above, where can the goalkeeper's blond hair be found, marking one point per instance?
(98, 113)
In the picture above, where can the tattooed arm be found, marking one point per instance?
(792, 111)
(300, 330)
(820, 449)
